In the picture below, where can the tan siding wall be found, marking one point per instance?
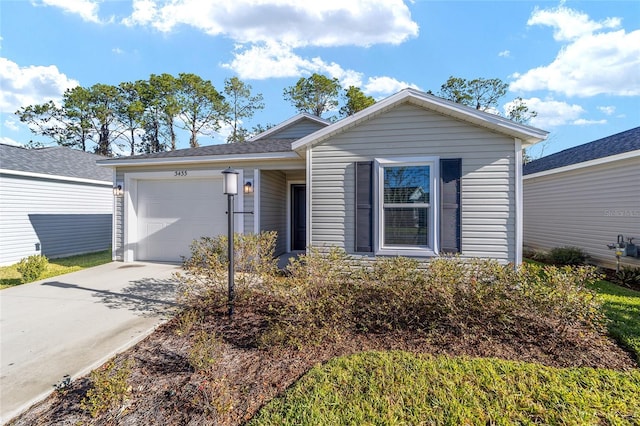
(488, 167)
(587, 208)
(273, 206)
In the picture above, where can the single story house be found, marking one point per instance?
(412, 175)
(53, 201)
(586, 196)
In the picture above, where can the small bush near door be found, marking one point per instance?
(32, 267)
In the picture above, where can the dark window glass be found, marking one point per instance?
(406, 184)
(406, 226)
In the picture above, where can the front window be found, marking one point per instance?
(406, 215)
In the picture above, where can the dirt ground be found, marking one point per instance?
(166, 390)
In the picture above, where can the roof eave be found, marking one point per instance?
(289, 155)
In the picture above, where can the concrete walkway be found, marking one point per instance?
(72, 323)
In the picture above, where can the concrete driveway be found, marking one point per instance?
(72, 323)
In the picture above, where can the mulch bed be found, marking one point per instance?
(165, 389)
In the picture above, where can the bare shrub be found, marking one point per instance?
(328, 294)
(203, 285)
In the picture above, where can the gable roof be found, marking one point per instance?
(611, 145)
(288, 123)
(262, 149)
(529, 135)
(54, 161)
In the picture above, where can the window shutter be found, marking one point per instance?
(364, 206)
(450, 223)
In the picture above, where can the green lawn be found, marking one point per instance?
(622, 308)
(9, 275)
(388, 388)
(401, 388)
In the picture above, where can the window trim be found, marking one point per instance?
(434, 207)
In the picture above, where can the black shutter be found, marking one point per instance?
(450, 177)
(364, 206)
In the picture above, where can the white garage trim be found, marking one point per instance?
(131, 202)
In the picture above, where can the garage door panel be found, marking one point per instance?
(171, 214)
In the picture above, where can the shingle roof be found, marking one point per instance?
(605, 147)
(57, 160)
(256, 147)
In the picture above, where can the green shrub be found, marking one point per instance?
(567, 256)
(629, 277)
(32, 267)
(109, 387)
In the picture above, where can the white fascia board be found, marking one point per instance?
(55, 177)
(576, 166)
(529, 135)
(519, 195)
(298, 117)
(199, 159)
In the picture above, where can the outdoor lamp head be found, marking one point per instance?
(230, 181)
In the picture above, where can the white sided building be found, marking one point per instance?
(53, 201)
(587, 196)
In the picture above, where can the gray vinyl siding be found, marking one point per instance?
(248, 204)
(297, 130)
(64, 217)
(488, 176)
(273, 206)
(586, 207)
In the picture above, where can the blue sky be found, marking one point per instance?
(577, 63)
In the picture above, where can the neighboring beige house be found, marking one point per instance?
(352, 184)
(586, 197)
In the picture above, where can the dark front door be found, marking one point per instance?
(298, 217)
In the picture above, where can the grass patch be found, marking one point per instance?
(622, 308)
(403, 388)
(9, 275)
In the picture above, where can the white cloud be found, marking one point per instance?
(276, 60)
(8, 141)
(87, 9)
(11, 124)
(504, 54)
(117, 51)
(292, 22)
(591, 63)
(22, 86)
(569, 24)
(383, 86)
(585, 122)
(607, 110)
(144, 12)
(552, 113)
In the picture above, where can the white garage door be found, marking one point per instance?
(172, 213)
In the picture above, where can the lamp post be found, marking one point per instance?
(230, 189)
